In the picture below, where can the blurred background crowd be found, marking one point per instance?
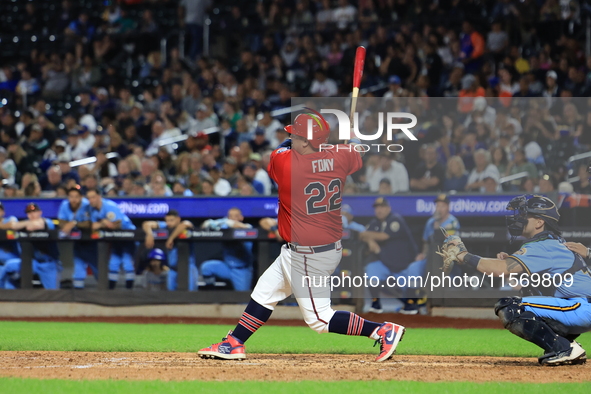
(189, 97)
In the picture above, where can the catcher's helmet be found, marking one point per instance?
(157, 254)
(531, 205)
(319, 132)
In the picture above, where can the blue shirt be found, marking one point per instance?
(44, 251)
(81, 215)
(172, 255)
(398, 251)
(10, 247)
(235, 253)
(110, 211)
(451, 224)
(546, 253)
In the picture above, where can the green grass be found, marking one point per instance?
(108, 337)
(307, 387)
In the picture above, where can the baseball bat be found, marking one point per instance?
(357, 74)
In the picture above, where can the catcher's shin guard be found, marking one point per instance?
(528, 326)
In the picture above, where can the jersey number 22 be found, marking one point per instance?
(317, 192)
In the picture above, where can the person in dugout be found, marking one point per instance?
(46, 262)
(175, 226)
(238, 258)
(73, 210)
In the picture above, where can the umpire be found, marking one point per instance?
(392, 250)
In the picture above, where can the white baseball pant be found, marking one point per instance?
(306, 275)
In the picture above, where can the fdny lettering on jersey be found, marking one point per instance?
(322, 165)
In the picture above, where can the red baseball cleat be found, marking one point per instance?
(229, 348)
(390, 334)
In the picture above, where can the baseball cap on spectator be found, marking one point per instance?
(394, 80)
(198, 134)
(61, 143)
(493, 82)
(255, 157)
(230, 160)
(442, 198)
(381, 202)
(479, 104)
(259, 131)
(215, 168)
(37, 127)
(386, 181)
(202, 107)
(102, 91)
(467, 81)
(139, 106)
(82, 130)
(100, 130)
(2, 150)
(552, 74)
(492, 176)
(32, 207)
(62, 158)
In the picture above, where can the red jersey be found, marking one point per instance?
(310, 188)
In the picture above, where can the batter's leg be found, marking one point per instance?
(272, 287)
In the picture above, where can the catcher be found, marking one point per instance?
(550, 317)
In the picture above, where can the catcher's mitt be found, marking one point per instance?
(452, 247)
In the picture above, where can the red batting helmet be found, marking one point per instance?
(320, 128)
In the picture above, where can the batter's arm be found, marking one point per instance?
(355, 141)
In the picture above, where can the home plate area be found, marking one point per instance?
(285, 367)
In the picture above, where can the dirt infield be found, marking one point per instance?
(188, 366)
(412, 321)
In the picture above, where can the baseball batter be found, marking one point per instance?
(310, 182)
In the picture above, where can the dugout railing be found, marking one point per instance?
(484, 241)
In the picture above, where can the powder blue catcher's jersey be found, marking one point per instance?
(109, 210)
(546, 253)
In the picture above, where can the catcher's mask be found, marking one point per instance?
(531, 206)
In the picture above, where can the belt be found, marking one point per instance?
(314, 249)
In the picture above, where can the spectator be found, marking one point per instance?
(385, 167)
(456, 175)
(520, 164)
(221, 187)
(491, 184)
(270, 126)
(499, 159)
(259, 143)
(582, 186)
(472, 47)
(547, 184)
(483, 169)
(7, 167)
(429, 175)
(322, 86)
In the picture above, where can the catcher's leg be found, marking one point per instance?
(525, 324)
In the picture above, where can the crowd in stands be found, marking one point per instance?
(88, 79)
